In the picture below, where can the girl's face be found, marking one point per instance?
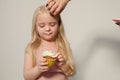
(47, 27)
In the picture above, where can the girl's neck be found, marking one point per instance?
(50, 46)
(47, 43)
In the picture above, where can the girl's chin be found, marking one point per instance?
(49, 39)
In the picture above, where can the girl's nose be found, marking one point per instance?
(47, 28)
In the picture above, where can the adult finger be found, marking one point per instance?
(58, 10)
(50, 4)
(54, 7)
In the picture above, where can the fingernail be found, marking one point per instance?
(117, 23)
(46, 5)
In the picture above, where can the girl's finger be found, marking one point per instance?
(60, 56)
(42, 69)
(61, 59)
(43, 62)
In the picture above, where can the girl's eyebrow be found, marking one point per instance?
(41, 23)
(53, 22)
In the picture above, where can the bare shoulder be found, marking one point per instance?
(28, 49)
(28, 59)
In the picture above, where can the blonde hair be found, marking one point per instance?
(61, 41)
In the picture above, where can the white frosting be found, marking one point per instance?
(49, 53)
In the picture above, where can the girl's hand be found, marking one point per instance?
(43, 65)
(60, 59)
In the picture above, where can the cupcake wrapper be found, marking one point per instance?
(51, 63)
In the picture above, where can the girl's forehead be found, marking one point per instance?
(46, 17)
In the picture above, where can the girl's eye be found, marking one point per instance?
(41, 25)
(52, 23)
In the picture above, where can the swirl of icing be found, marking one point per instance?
(49, 53)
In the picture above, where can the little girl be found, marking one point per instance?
(48, 35)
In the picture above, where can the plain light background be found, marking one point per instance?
(94, 37)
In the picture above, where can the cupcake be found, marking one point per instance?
(50, 57)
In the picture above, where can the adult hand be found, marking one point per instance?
(117, 21)
(56, 6)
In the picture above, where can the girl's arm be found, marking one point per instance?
(30, 72)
